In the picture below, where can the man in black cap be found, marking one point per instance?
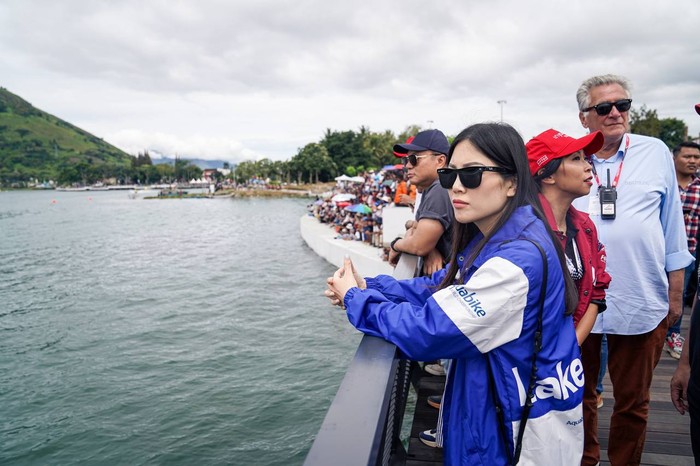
(429, 237)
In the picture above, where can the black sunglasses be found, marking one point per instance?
(606, 107)
(469, 177)
(413, 158)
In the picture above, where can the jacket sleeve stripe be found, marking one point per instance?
(489, 308)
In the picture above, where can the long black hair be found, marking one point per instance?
(502, 144)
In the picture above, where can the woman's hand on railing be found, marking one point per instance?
(342, 281)
(361, 283)
(330, 294)
(433, 262)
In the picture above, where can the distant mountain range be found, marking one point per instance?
(201, 163)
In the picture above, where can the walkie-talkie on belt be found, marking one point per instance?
(608, 200)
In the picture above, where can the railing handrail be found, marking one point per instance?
(354, 428)
(351, 432)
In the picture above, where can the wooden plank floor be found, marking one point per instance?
(425, 418)
(668, 433)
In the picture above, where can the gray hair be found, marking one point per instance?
(583, 95)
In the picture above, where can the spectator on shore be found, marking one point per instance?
(429, 238)
(636, 208)
(367, 229)
(405, 193)
(345, 234)
(685, 384)
(503, 293)
(686, 159)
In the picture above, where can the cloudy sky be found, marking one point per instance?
(239, 80)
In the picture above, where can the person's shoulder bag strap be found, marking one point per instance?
(533, 371)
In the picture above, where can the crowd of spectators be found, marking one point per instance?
(354, 209)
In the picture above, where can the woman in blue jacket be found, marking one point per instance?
(501, 310)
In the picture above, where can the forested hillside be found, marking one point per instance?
(37, 145)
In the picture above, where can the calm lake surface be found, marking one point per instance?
(176, 331)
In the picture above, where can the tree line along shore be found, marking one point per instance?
(40, 150)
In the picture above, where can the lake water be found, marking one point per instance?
(172, 331)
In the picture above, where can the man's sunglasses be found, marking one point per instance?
(469, 177)
(413, 158)
(606, 107)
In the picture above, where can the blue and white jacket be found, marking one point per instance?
(493, 314)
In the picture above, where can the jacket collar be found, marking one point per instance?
(521, 219)
(577, 217)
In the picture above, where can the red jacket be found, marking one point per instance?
(595, 279)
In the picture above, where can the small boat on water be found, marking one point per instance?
(143, 193)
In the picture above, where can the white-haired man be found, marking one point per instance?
(636, 207)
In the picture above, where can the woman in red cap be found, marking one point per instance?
(558, 164)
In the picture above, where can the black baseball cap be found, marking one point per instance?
(430, 139)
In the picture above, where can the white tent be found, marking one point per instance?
(343, 178)
(343, 197)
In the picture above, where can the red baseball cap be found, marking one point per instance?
(553, 144)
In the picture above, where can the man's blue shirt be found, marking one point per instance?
(646, 239)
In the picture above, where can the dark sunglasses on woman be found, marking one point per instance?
(606, 107)
(469, 177)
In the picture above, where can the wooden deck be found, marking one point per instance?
(668, 433)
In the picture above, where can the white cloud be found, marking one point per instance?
(261, 79)
(194, 146)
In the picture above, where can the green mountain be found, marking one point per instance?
(37, 145)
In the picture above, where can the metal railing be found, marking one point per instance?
(363, 424)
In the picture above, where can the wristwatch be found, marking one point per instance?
(602, 305)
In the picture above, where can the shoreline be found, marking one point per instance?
(302, 191)
(321, 238)
(310, 190)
